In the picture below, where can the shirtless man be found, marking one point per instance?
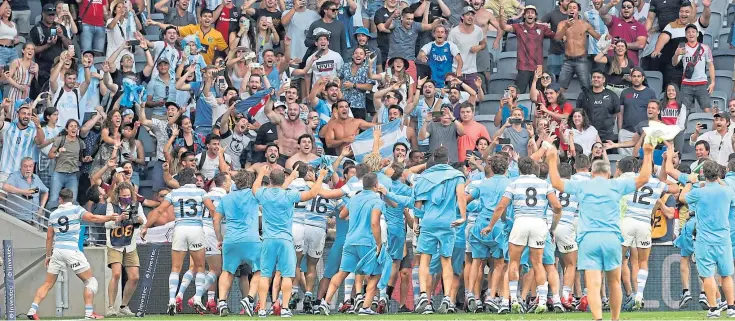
(341, 130)
(487, 22)
(271, 158)
(304, 154)
(290, 127)
(574, 34)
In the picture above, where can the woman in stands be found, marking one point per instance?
(539, 87)
(237, 65)
(64, 18)
(673, 112)
(51, 130)
(396, 73)
(188, 138)
(482, 145)
(556, 110)
(580, 130)
(617, 66)
(110, 140)
(243, 35)
(266, 36)
(8, 35)
(21, 71)
(598, 152)
(131, 150)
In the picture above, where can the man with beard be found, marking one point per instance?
(355, 81)
(221, 104)
(178, 16)
(601, 105)
(271, 159)
(470, 39)
(625, 27)
(343, 128)
(442, 132)
(323, 63)
(297, 21)
(161, 130)
(396, 112)
(633, 110)
(404, 36)
(304, 153)
(200, 89)
(267, 134)
(209, 37)
(66, 98)
(362, 40)
(272, 69)
(323, 104)
(328, 12)
(91, 133)
(428, 101)
(29, 194)
(440, 55)
(384, 19)
(166, 48)
(290, 127)
(573, 32)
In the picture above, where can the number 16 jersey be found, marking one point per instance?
(187, 204)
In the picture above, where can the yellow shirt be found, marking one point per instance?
(510, 7)
(211, 40)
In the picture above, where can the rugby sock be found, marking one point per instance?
(188, 276)
(555, 298)
(565, 291)
(88, 310)
(383, 293)
(173, 284)
(33, 309)
(642, 277)
(210, 296)
(415, 281)
(513, 285)
(349, 283)
(199, 283)
(389, 291)
(209, 279)
(295, 289)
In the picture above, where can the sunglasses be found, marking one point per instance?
(331, 9)
(546, 77)
(627, 7)
(389, 96)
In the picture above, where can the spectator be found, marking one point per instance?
(440, 55)
(236, 139)
(67, 149)
(666, 12)
(50, 131)
(442, 132)
(91, 133)
(304, 153)
(267, 134)
(131, 149)
(27, 195)
(382, 101)
(324, 62)
(355, 81)
(19, 143)
(178, 15)
(580, 131)
(212, 160)
(49, 44)
(202, 90)
(66, 97)
(21, 16)
(556, 50)
(209, 37)
(600, 105)
(237, 66)
(598, 152)
(530, 42)
(507, 104)
(8, 36)
(538, 88)
(121, 27)
(96, 88)
(592, 16)
(273, 69)
(513, 129)
(345, 11)
(271, 10)
(397, 75)
(160, 89)
(469, 39)
(160, 129)
(434, 9)
(272, 159)
(121, 247)
(674, 112)
(731, 111)
(719, 137)
(482, 145)
(641, 11)
(22, 71)
(266, 36)
(575, 61)
(428, 101)
(125, 68)
(110, 140)
(165, 49)
(653, 114)
(402, 43)
(486, 20)
(633, 102)
(625, 27)
(342, 129)
(618, 66)
(385, 20)
(362, 40)
(227, 16)
(696, 61)
(290, 127)
(297, 21)
(64, 18)
(675, 33)
(243, 35)
(328, 12)
(555, 111)
(472, 130)
(701, 151)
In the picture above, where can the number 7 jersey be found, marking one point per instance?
(187, 204)
(640, 204)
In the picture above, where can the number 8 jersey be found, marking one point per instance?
(528, 196)
(187, 204)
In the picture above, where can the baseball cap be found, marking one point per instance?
(691, 25)
(163, 59)
(530, 7)
(49, 8)
(554, 87)
(278, 104)
(468, 9)
(720, 115)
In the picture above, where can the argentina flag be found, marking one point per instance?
(328, 160)
(391, 134)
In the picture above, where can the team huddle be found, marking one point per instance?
(509, 214)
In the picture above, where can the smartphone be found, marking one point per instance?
(221, 81)
(468, 153)
(571, 17)
(71, 48)
(134, 43)
(436, 114)
(255, 65)
(6, 68)
(269, 20)
(119, 170)
(504, 141)
(704, 126)
(515, 121)
(52, 32)
(716, 105)
(65, 7)
(126, 155)
(282, 98)
(506, 93)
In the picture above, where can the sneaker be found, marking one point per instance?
(199, 307)
(730, 313)
(171, 309)
(179, 304)
(358, 302)
(628, 303)
(211, 306)
(308, 303)
(367, 311)
(558, 307)
(126, 312)
(703, 301)
(93, 316)
(262, 314)
(324, 307)
(33, 317)
(344, 308)
(422, 303)
(566, 302)
(540, 308)
(491, 305)
(374, 304)
(223, 309)
(295, 298)
(606, 304)
(111, 312)
(286, 313)
(685, 298)
(404, 309)
(713, 314)
(382, 306)
(516, 306)
(428, 310)
(247, 306)
(452, 309)
(582, 306)
(722, 306)
(471, 303)
(444, 305)
(480, 308)
(638, 304)
(503, 308)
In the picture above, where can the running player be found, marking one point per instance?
(62, 251)
(212, 251)
(188, 234)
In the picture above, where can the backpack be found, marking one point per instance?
(76, 93)
(81, 150)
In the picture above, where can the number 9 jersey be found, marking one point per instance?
(188, 213)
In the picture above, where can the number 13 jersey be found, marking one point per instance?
(187, 204)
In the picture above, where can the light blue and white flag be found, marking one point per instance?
(391, 134)
(328, 160)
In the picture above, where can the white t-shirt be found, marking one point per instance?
(170, 53)
(699, 76)
(464, 42)
(326, 66)
(300, 23)
(236, 144)
(585, 138)
(67, 105)
(117, 36)
(642, 15)
(211, 165)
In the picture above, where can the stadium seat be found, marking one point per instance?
(575, 87)
(490, 105)
(157, 17)
(511, 43)
(500, 81)
(487, 121)
(571, 98)
(702, 118)
(542, 6)
(724, 58)
(709, 40)
(685, 147)
(655, 80)
(152, 37)
(98, 62)
(724, 39)
(715, 23)
(525, 100)
(491, 36)
(614, 159)
(153, 30)
(719, 99)
(723, 80)
(507, 62)
(547, 45)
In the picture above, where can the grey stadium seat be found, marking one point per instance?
(507, 62)
(724, 57)
(702, 118)
(511, 43)
(499, 82)
(655, 80)
(723, 80)
(489, 105)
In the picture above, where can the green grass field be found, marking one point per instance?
(683, 315)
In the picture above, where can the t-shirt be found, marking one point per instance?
(617, 78)
(554, 18)
(530, 45)
(519, 140)
(381, 16)
(68, 160)
(93, 15)
(440, 59)
(337, 41)
(712, 204)
(699, 76)
(472, 131)
(635, 104)
(173, 18)
(443, 135)
(300, 22)
(275, 15)
(585, 138)
(677, 35)
(210, 167)
(235, 145)
(601, 109)
(40, 35)
(464, 43)
(599, 203)
(666, 11)
(628, 31)
(267, 133)
(403, 41)
(277, 204)
(326, 66)
(211, 40)
(228, 20)
(361, 207)
(204, 109)
(240, 209)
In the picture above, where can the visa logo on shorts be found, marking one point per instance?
(568, 247)
(645, 243)
(197, 245)
(540, 243)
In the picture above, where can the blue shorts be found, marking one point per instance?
(684, 241)
(396, 242)
(278, 255)
(334, 258)
(549, 250)
(600, 251)
(435, 266)
(436, 242)
(483, 247)
(709, 256)
(235, 254)
(360, 259)
(372, 7)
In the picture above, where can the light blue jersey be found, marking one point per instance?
(712, 204)
(301, 208)
(187, 203)
(66, 221)
(17, 144)
(360, 208)
(350, 189)
(240, 208)
(437, 187)
(730, 181)
(599, 203)
(473, 184)
(528, 195)
(569, 203)
(394, 215)
(641, 203)
(278, 210)
(313, 212)
(489, 192)
(215, 195)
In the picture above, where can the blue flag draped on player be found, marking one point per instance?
(391, 134)
(254, 103)
(429, 184)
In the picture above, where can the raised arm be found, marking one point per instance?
(645, 173)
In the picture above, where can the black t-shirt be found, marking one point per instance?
(666, 11)
(434, 12)
(617, 79)
(40, 35)
(267, 133)
(276, 16)
(381, 16)
(554, 18)
(600, 109)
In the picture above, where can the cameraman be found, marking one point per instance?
(27, 194)
(121, 251)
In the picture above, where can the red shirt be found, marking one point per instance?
(227, 18)
(566, 109)
(530, 45)
(670, 113)
(628, 31)
(93, 15)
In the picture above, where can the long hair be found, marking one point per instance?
(109, 124)
(46, 114)
(585, 119)
(665, 101)
(115, 197)
(615, 67)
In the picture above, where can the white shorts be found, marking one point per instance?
(210, 242)
(188, 238)
(467, 232)
(529, 231)
(62, 258)
(298, 230)
(566, 238)
(314, 238)
(636, 233)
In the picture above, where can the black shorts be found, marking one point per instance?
(406, 261)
